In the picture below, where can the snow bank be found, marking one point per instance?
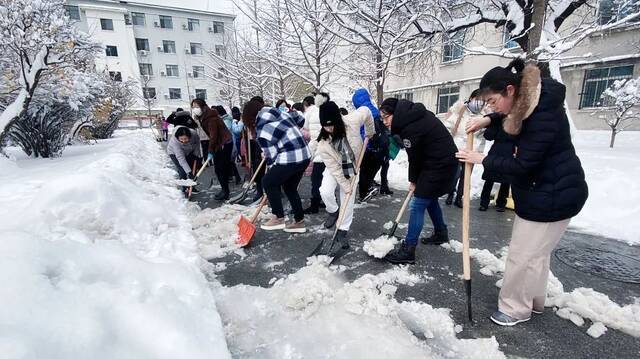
(613, 206)
(314, 313)
(580, 304)
(97, 258)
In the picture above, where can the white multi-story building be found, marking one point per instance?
(163, 48)
(597, 62)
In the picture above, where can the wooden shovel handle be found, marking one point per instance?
(255, 174)
(263, 201)
(404, 206)
(468, 167)
(204, 165)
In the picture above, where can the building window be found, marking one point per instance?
(106, 24)
(175, 94)
(507, 42)
(168, 47)
(166, 22)
(196, 48)
(115, 76)
(452, 47)
(112, 50)
(218, 27)
(220, 50)
(198, 72)
(201, 94)
(193, 24)
(149, 92)
(146, 70)
(137, 18)
(172, 70)
(447, 96)
(598, 80)
(73, 12)
(142, 44)
(613, 10)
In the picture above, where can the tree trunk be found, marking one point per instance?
(379, 78)
(613, 137)
(535, 34)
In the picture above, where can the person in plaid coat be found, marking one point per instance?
(287, 156)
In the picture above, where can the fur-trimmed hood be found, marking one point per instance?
(534, 95)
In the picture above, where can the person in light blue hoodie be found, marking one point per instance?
(228, 121)
(377, 153)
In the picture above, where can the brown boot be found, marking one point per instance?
(273, 224)
(295, 227)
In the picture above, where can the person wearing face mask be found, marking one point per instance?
(432, 167)
(283, 106)
(184, 150)
(548, 182)
(339, 144)
(459, 114)
(219, 146)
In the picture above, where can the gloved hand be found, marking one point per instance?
(210, 156)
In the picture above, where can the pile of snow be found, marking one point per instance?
(314, 313)
(580, 304)
(613, 206)
(97, 259)
(380, 247)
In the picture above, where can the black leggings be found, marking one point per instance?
(501, 199)
(316, 180)
(288, 177)
(256, 157)
(371, 164)
(222, 165)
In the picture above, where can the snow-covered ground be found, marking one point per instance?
(98, 260)
(612, 175)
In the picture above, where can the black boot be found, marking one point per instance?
(331, 219)
(314, 207)
(221, 196)
(341, 245)
(384, 190)
(458, 202)
(438, 237)
(482, 208)
(449, 200)
(405, 254)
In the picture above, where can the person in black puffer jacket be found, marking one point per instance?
(503, 145)
(548, 183)
(432, 169)
(182, 118)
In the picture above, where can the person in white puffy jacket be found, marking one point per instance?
(312, 127)
(339, 144)
(456, 120)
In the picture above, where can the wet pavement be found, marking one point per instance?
(594, 262)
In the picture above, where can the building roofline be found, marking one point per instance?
(122, 4)
(601, 60)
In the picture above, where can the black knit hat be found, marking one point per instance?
(329, 113)
(389, 105)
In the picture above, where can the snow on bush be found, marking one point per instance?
(97, 259)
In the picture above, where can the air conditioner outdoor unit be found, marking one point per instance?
(156, 24)
(184, 26)
(162, 73)
(166, 95)
(210, 29)
(160, 48)
(189, 74)
(143, 53)
(187, 51)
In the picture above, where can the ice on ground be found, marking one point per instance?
(380, 246)
(596, 330)
(315, 313)
(186, 183)
(577, 305)
(97, 259)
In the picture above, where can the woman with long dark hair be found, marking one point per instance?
(548, 183)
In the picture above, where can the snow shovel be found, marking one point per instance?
(241, 197)
(247, 227)
(466, 259)
(392, 231)
(204, 165)
(343, 205)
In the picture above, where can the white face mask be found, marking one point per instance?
(197, 111)
(475, 106)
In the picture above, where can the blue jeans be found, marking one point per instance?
(416, 217)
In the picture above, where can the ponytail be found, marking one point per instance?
(498, 78)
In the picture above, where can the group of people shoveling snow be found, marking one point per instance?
(514, 107)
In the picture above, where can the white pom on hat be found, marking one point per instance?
(321, 98)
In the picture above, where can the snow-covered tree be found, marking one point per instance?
(622, 96)
(40, 48)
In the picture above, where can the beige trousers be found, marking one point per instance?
(527, 268)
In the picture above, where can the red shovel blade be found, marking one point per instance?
(246, 230)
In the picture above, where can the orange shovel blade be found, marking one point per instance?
(246, 230)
